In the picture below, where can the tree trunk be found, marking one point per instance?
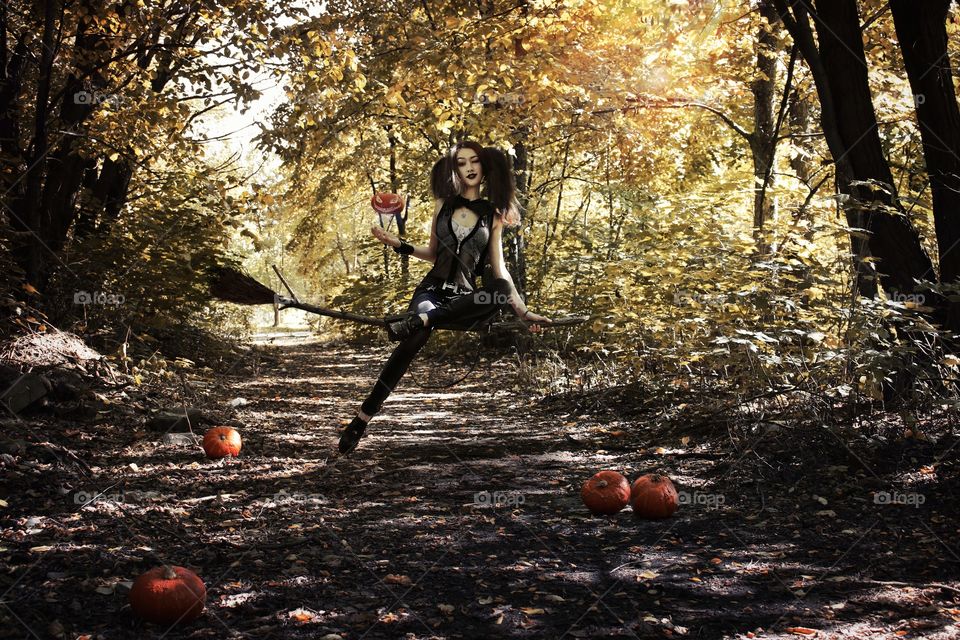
(10, 88)
(550, 229)
(65, 168)
(514, 253)
(801, 162)
(29, 211)
(849, 123)
(516, 256)
(921, 30)
(893, 239)
(763, 138)
(800, 126)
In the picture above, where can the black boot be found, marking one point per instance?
(351, 435)
(404, 328)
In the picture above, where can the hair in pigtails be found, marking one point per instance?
(501, 185)
(441, 178)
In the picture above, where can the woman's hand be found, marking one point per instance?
(534, 320)
(384, 237)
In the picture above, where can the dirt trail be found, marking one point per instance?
(458, 516)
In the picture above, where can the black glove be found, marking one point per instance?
(404, 248)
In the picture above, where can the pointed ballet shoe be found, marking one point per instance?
(351, 436)
(404, 328)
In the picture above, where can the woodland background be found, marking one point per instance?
(756, 203)
(730, 195)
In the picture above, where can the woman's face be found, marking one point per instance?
(468, 167)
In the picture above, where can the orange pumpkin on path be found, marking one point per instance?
(220, 442)
(606, 493)
(168, 595)
(653, 496)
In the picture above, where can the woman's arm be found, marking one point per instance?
(427, 253)
(500, 271)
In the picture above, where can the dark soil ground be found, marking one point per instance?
(459, 516)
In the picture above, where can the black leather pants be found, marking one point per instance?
(440, 306)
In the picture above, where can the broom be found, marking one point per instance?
(230, 285)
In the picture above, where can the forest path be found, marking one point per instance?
(459, 516)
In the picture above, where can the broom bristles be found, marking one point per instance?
(233, 286)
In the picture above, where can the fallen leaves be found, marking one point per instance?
(302, 615)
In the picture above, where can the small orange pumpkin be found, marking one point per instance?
(387, 203)
(606, 493)
(168, 595)
(653, 496)
(220, 442)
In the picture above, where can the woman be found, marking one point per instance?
(466, 230)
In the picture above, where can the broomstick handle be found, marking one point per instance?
(380, 322)
(333, 313)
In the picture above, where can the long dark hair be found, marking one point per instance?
(501, 187)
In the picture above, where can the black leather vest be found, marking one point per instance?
(457, 261)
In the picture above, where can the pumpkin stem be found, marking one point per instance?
(168, 572)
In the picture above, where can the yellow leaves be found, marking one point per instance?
(394, 94)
